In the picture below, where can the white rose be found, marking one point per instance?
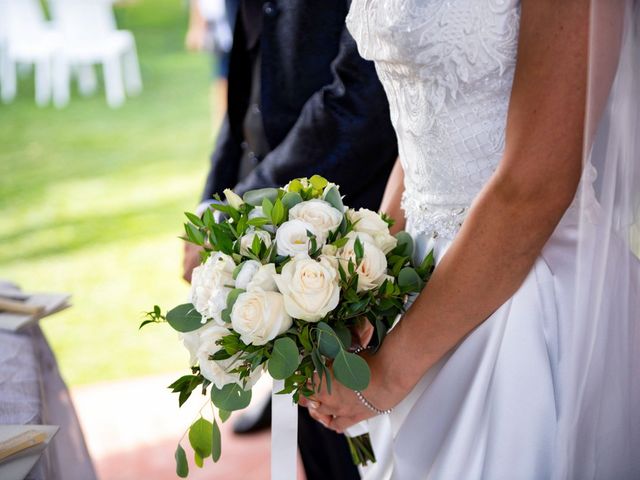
(246, 241)
(372, 270)
(329, 255)
(246, 273)
(367, 221)
(264, 279)
(191, 341)
(259, 317)
(219, 372)
(310, 288)
(211, 282)
(320, 215)
(233, 198)
(292, 239)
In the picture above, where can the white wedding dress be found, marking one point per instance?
(488, 410)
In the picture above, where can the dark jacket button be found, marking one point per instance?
(270, 9)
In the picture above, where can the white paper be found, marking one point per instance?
(18, 468)
(52, 303)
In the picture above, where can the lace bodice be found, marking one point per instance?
(447, 68)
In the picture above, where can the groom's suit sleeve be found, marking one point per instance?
(224, 162)
(343, 132)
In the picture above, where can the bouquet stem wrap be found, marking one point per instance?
(284, 434)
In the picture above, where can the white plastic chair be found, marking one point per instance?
(27, 39)
(90, 36)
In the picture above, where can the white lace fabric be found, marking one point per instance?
(447, 68)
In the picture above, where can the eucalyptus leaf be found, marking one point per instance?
(216, 442)
(184, 318)
(231, 397)
(344, 334)
(291, 199)
(332, 196)
(182, 467)
(409, 280)
(200, 437)
(198, 460)
(351, 370)
(224, 415)
(328, 342)
(284, 358)
(255, 197)
(404, 248)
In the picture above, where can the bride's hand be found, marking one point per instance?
(342, 409)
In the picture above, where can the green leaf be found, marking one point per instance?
(224, 415)
(291, 199)
(409, 280)
(295, 186)
(198, 460)
(277, 214)
(267, 207)
(233, 296)
(255, 197)
(258, 222)
(358, 249)
(344, 334)
(351, 370)
(200, 434)
(332, 196)
(196, 220)
(194, 234)
(425, 268)
(404, 248)
(216, 442)
(182, 467)
(328, 342)
(147, 322)
(208, 217)
(284, 358)
(231, 397)
(184, 318)
(318, 182)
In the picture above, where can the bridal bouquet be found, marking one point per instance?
(286, 276)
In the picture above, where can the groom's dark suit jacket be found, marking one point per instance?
(300, 93)
(323, 108)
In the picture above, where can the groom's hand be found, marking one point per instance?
(190, 260)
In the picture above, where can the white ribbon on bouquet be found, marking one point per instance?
(284, 434)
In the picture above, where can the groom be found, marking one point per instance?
(302, 101)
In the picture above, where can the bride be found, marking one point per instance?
(517, 360)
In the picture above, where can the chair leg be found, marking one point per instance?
(43, 81)
(61, 80)
(8, 85)
(87, 80)
(132, 77)
(113, 80)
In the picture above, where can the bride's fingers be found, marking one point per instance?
(322, 418)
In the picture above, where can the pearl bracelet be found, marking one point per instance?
(362, 398)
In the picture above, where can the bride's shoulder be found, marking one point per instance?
(430, 30)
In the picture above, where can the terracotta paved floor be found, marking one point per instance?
(132, 428)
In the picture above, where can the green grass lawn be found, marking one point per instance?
(91, 201)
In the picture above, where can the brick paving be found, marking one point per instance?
(132, 428)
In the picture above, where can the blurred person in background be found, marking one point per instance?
(210, 30)
(301, 101)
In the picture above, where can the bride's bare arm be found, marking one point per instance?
(511, 219)
(392, 197)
